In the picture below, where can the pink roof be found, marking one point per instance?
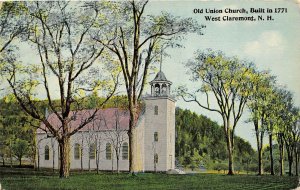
(106, 119)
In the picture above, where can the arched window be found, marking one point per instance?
(164, 89)
(77, 151)
(156, 158)
(108, 151)
(155, 110)
(125, 151)
(47, 152)
(157, 89)
(92, 151)
(155, 136)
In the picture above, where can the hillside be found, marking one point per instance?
(201, 142)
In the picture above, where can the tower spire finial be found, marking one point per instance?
(160, 60)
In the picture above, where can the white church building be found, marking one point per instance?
(103, 143)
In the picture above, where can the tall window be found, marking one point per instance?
(77, 151)
(155, 136)
(157, 89)
(164, 89)
(125, 151)
(92, 151)
(108, 151)
(155, 110)
(156, 158)
(47, 152)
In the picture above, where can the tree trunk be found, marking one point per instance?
(53, 155)
(230, 154)
(89, 164)
(81, 153)
(118, 171)
(97, 155)
(10, 153)
(290, 166)
(38, 158)
(296, 161)
(259, 142)
(133, 161)
(112, 162)
(290, 160)
(280, 142)
(97, 161)
(271, 153)
(260, 164)
(34, 149)
(97, 165)
(64, 145)
(20, 161)
(81, 159)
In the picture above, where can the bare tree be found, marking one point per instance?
(68, 59)
(98, 139)
(90, 142)
(116, 135)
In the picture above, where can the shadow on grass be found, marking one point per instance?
(25, 171)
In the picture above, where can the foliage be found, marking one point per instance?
(200, 141)
(15, 125)
(229, 81)
(20, 149)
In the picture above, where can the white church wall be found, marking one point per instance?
(103, 138)
(158, 123)
(42, 141)
(171, 135)
(140, 143)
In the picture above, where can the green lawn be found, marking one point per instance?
(45, 180)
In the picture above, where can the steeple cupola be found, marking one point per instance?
(160, 86)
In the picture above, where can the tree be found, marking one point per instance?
(291, 133)
(261, 105)
(230, 81)
(296, 139)
(14, 124)
(10, 30)
(283, 121)
(20, 149)
(61, 37)
(117, 136)
(135, 34)
(98, 139)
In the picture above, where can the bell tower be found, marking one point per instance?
(159, 141)
(160, 86)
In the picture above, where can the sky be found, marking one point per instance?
(271, 45)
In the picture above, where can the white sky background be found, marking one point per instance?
(270, 45)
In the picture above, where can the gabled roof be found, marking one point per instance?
(105, 119)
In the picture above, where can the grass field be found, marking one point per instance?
(27, 179)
